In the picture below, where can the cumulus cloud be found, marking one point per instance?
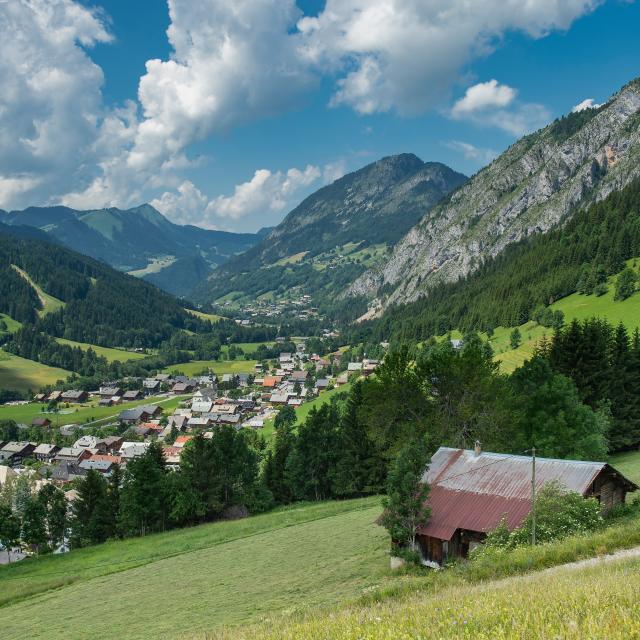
(494, 104)
(471, 152)
(232, 63)
(589, 103)
(404, 55)
(484, 95)
(51, 103)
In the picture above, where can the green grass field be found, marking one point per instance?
(20, 374)
(594, 602)
(49, 303)
(197, 579)
(204, 316)
(106, 352)
(219, 367)
(80, 414)
(12, 325)
(247, 347)
(628, 463)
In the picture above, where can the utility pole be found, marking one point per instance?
(533, 496)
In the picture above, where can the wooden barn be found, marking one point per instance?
(471, 491)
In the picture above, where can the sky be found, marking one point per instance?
(226, 114)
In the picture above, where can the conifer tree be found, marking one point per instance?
(91, 519)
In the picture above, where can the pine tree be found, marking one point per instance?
(405, 509)
(359, 468)
(9, 529)
(275, 474)
(54, 504)
(33, 525)
(91, 519)
(312, 461)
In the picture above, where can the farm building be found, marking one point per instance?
(472, 490)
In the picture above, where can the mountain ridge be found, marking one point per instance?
(531, 188)
(134, 239)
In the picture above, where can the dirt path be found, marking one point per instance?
(623, 554)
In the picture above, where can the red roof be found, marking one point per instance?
(474, 491)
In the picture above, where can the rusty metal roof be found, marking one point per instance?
(474, 491)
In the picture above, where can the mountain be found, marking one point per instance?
(69, 295)
(343, 227)
(140, 241)
(534, 186)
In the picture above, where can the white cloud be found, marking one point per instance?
(589, 103)
(50, 102)
(333, 171)
(184, 207)
(266, 191)
(232, 63)
(495, 105)
(404, 55)
(471, 152)
(484, 95)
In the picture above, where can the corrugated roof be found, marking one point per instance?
(505, 475)
(475, 492)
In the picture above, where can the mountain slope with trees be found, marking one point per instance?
(361, 211)
(99, 304)
(173, 257)
(534, 186)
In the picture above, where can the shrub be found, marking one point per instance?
(559, 514)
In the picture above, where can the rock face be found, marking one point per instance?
(530, 188)
(378, 203)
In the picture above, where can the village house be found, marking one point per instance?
(110, 392)
(54, 396)
(471, 491)
(45, 452)
(205, 394)
(105, 467)
(299, 376)
(130, 396)
(151, 386)
(74, 455)
(16, 452)
(140, 414)
(74, 396)
(130, 450)
(63, 472)
(106, 457)
(45, 423)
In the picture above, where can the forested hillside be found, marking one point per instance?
(534, 186)
(338, 231)
(506, 290)
(140, 240)
(96, 303)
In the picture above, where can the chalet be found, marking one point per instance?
(130, 450)
(343, 378)
(182, 440)
(40, 397)
(75, 455)
(110, 392)
(90, 442)
(206, 394)
(130, 396)
(178, 421)
(270, 382)
(140, 414)
(151, 386)
(104, 467)
(45, 423)
(202, 406)
(172, 456)
(67, 430)
(278, 398)
(54, 396)
(106, 457)
(106, 402)
(46, 452)
(352, 367)
(200, 422)
(63, 472)
(74, 396)
(472, 491)
(322, 384)
(299, 376)
(295, 402)
(182, 387)
(113, 443)
(7, 474)
(16, 452)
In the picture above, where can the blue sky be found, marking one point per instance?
(241, 151)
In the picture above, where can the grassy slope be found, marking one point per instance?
(79, 414)
(106, 352)
(591, 602)
(12, 325)
(204, 316)
(575, 306)
(199, 578)
(628, 463)
(49, 303)
(217, 366)
(21, 375)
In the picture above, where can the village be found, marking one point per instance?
(198, 404)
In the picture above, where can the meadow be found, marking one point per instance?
(23, 375)
(106, 352)
(80, 414)
(219, 367)
(226, 573)
(49, 303)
